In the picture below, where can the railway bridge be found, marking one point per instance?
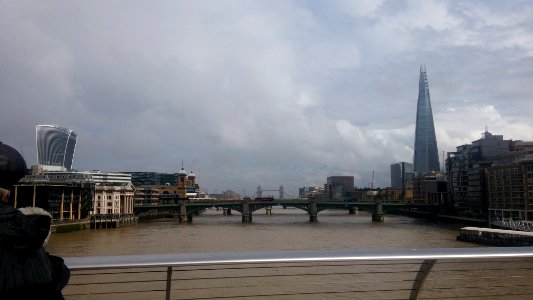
(186, 209)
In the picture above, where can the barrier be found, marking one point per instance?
(434, 273)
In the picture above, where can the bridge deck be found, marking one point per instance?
(444, 273)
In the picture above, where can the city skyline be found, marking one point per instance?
(259, 92)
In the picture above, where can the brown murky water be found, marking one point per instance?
(285, 229)
(289, 229)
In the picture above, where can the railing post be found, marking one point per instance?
(169, 282)
(421, 277)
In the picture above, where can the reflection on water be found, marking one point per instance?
(285, 229)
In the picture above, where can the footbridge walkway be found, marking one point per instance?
(186, 209)
(433, 273)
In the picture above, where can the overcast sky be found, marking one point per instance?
(262, 92)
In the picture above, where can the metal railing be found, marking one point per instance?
(435, 273)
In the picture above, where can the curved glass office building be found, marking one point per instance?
(55, 147)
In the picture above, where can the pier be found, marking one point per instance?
(112, 221)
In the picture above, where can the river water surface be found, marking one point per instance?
(289, 229)
(285, 229)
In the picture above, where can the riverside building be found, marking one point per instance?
(70, 196)
(510, 187)
(466, 170)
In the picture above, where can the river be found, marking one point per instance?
(285, 229)
(290, 229)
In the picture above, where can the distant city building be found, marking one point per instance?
(311, 191)
(402, 174)
(510, 188)
(153, 178)
(426, 157)
(156, 195)
(77, 195)
(396, 195)
(466, 171)
(430, 188)
(229, 194)
(66, 196)
(339, 187)
(55, 147)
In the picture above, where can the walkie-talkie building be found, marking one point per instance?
(55, 147)
(426, 156)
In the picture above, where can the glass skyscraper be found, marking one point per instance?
(55, 147)
(426, 156)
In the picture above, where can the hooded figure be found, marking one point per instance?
(26, 270)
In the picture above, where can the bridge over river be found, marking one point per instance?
(186, 209)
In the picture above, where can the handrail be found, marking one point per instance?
(165, 260)
(403, 273)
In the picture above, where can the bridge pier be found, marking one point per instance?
(353, 211)
(182, 214)
(313, 212)
(378, 215)
(226, 211)
(246, 213)
(268, 210)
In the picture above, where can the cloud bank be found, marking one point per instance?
(262, 92)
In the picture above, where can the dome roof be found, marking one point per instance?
(182, 172)
(192, 174)
(12, 166)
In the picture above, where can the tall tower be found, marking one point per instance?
(182, 183)
(426, 154)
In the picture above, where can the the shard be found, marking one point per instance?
(426, 156)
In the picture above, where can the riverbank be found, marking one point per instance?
(94, 223)
(442, 218)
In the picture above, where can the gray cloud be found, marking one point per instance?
(255, 92)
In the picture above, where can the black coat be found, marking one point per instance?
(26, 270)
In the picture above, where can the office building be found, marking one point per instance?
(431, 188)
(339, 188)
(153, 178)
(402, 174)
(55, 147)
(466, 170)
(510, 190)
(426, 157)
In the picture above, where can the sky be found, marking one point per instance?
(269, 93)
